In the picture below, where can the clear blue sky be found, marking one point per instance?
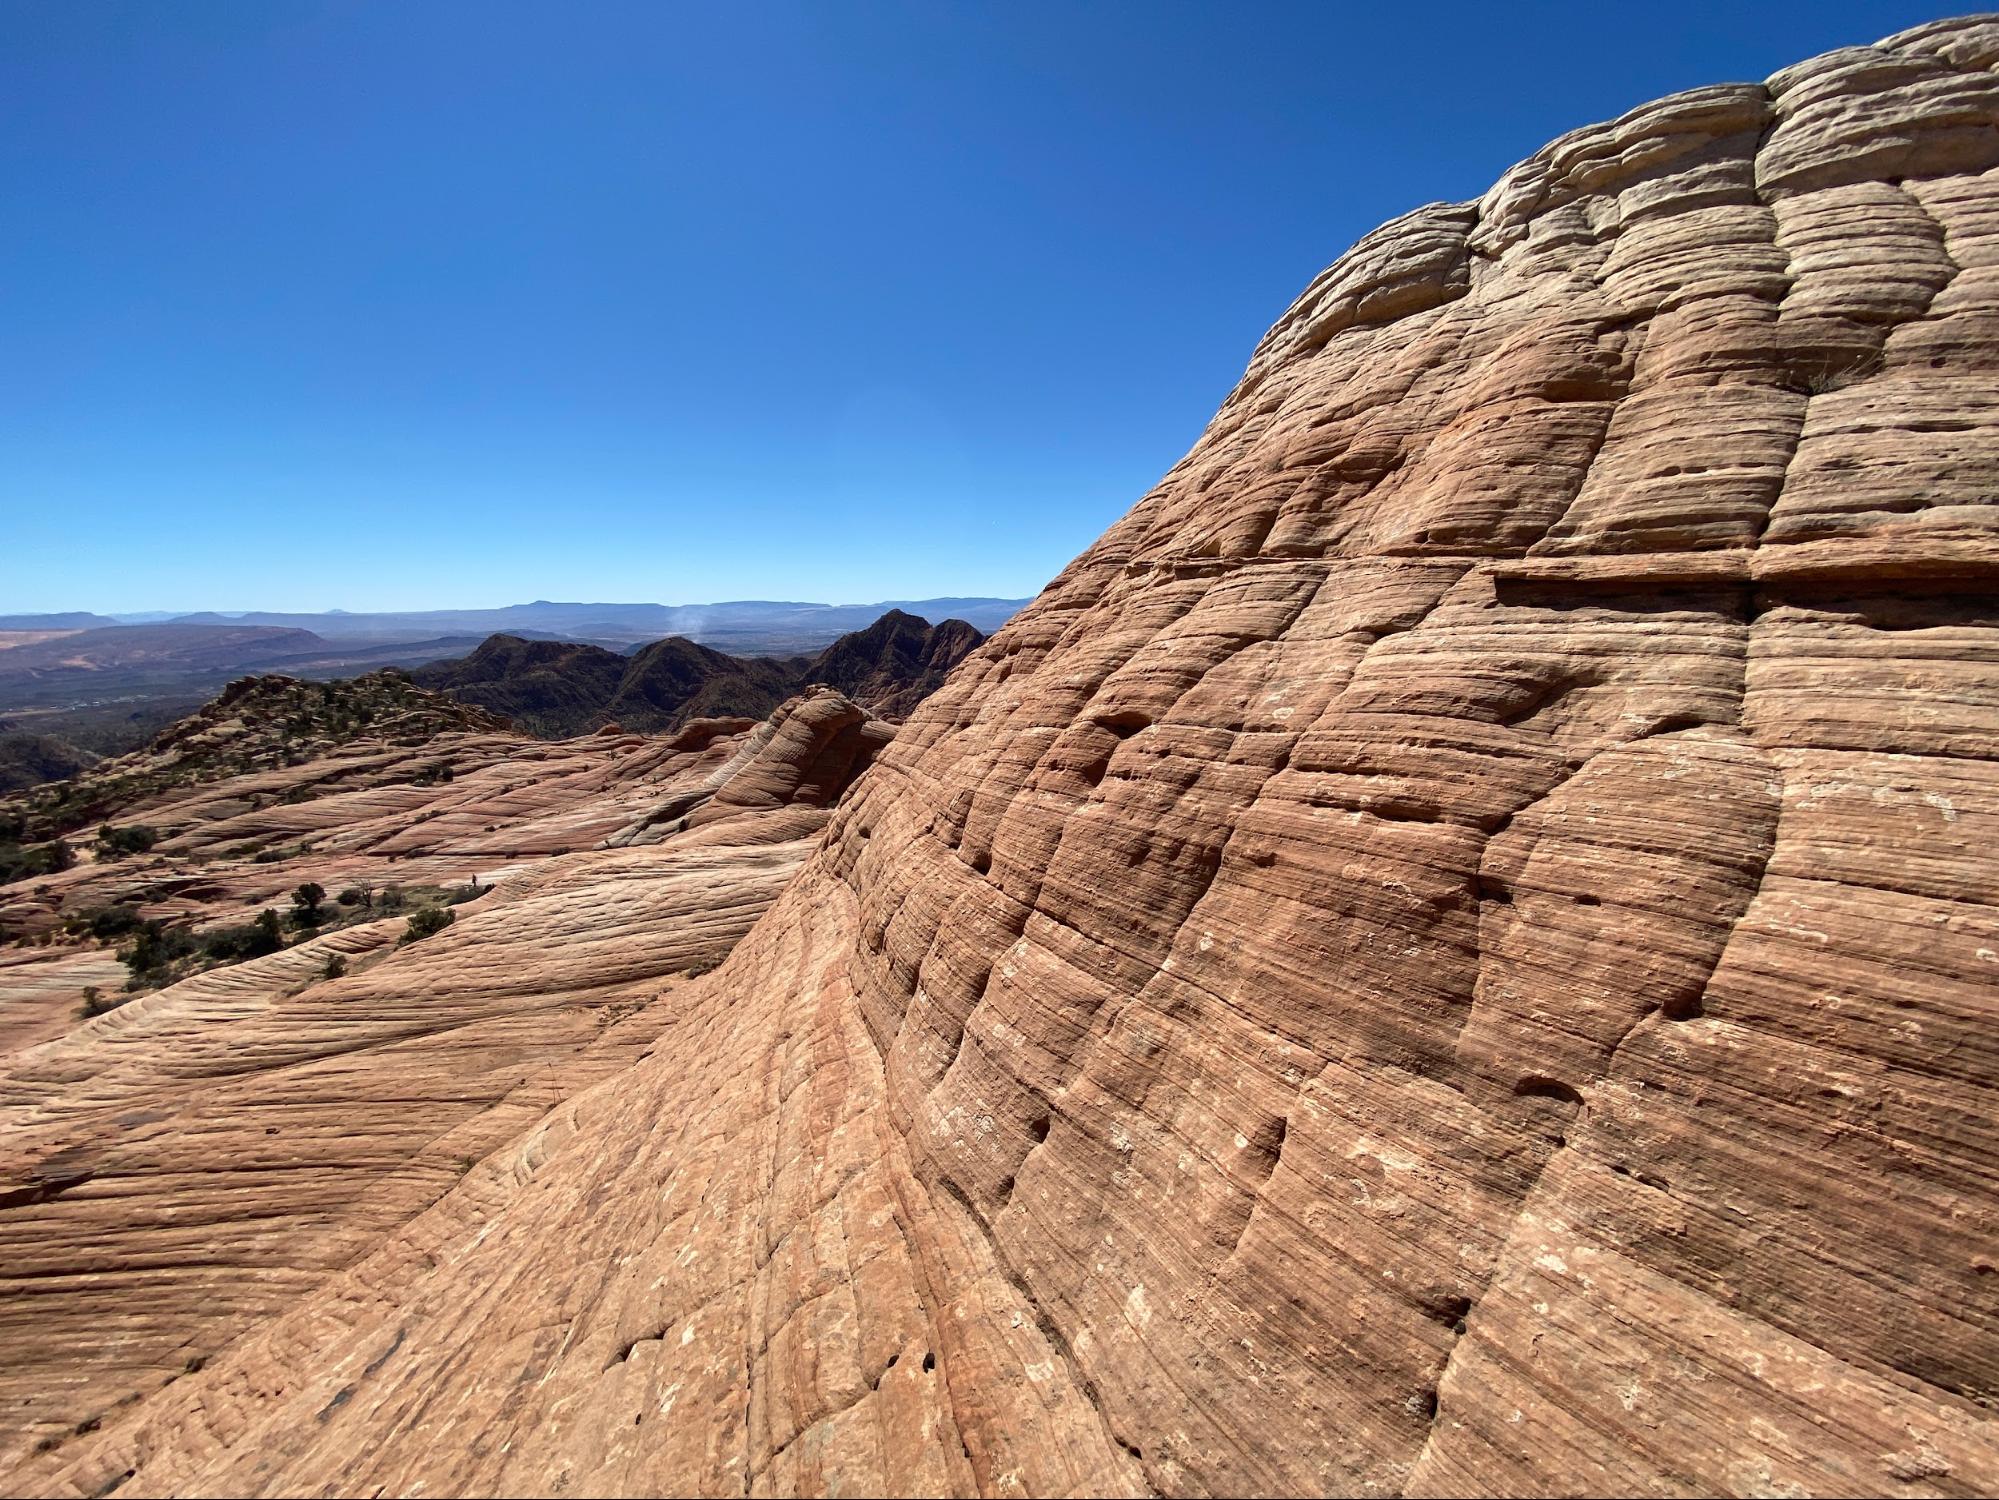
(393, 305)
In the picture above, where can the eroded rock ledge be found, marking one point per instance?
(1454, 950)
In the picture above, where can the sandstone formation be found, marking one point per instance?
(1453, 951)
(188, 1164)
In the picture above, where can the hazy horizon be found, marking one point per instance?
(387, 303)
(230, 611)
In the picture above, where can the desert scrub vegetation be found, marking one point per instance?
(308, 906)
(116, 843)
(427, 922)
(23, 862)
(96, 1002)
(158, 954)
(104, 923)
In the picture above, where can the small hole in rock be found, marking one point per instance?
(1535, 1087)
(1125, 723)
(1038, 1128)
(1674, 723)
(929, 1361)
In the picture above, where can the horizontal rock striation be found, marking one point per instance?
(1453, 951)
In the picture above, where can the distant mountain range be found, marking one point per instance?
(102, 689)
(756, 627)
(561, 688)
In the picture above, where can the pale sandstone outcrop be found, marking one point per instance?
(191, 1163)
(1454, 950)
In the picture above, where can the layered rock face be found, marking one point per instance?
(1453, 951)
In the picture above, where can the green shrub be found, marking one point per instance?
(431, 919)
(115, 843)
(228, 945)
(356, 895)
(94, 1003)
(109, 922)
(306, 901)
(336, 967)
(153, 952)
(23, 863)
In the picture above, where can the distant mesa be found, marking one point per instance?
(227, 647)
(74, 620)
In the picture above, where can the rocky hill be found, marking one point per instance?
(559, 688)
(549, 688)
(1451, 952)
(28, 760)
(255, 724)
(895, 663)
(674, 680)
(353, 1066)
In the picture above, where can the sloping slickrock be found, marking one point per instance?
(1454, 950)
(191, 1163)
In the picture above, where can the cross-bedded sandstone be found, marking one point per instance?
(1454, 950)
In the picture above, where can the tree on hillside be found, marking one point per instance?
(305, 904)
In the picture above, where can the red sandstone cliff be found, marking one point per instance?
(1453, 950)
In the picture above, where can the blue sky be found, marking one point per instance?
(310, 305)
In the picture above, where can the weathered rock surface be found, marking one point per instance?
(1454, 950)
(187, 1165)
